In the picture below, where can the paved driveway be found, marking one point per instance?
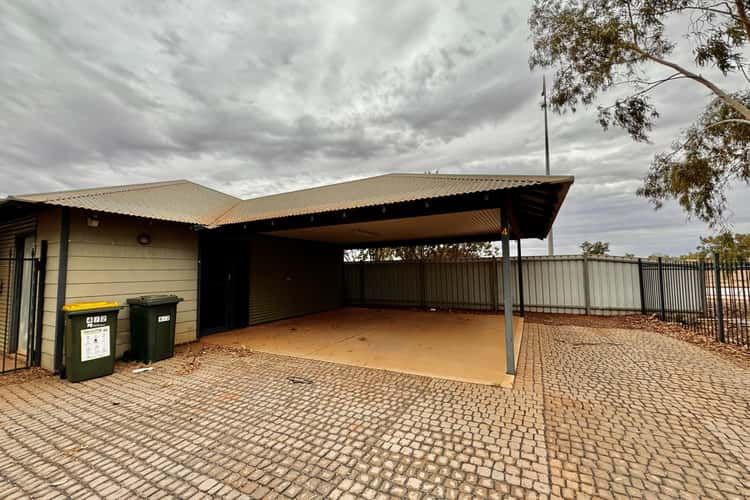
(594, 411)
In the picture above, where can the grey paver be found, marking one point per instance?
(594, 412)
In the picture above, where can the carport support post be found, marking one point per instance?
(519, 264)
(510, 363)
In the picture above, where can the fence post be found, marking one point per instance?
(642, 288)
(519, 266)
(717, 295)
(586, 286)
(362, 282)
(662, 305)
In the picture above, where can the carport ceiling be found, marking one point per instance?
(459, 225)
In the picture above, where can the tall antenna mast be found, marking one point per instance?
(550, 241)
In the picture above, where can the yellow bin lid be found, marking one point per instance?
(89, 305)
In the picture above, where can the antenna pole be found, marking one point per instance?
(550, 241)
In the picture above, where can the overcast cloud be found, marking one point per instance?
(253, 99)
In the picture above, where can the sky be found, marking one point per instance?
(255, 98)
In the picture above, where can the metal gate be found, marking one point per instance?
(21, 305)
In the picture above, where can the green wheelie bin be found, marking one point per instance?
(90, 339)
(152, 327)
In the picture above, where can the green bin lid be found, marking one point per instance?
(154, 300)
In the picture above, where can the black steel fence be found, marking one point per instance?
(21, 285)
(709, 297)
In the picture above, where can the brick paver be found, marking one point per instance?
(593, 412)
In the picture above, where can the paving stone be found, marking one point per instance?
(594, 412)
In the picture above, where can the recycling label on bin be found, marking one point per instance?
(95, 343)
(163, 319)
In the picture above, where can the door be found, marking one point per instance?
(224, 275)
(22, 301)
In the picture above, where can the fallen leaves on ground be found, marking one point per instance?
(24, 375)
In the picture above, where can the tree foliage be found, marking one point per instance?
(595, 248)
(597, 46)
(729, 246)
(448, 251)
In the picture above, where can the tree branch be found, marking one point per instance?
(743, 17)
(734, 103)
(728, 120)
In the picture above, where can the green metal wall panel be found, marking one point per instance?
(293, 277)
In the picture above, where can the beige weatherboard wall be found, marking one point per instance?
(107, 263)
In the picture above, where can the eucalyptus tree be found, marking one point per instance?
(598, 47)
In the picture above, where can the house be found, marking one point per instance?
(235, 262)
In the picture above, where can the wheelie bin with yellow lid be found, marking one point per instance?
(90, 338)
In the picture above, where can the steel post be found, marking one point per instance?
(510, 363)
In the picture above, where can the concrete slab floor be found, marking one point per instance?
(466, 347)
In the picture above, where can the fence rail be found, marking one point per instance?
(711, 298)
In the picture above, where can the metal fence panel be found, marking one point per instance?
(562, 284)
(614, 285)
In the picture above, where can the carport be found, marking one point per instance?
(280, 257)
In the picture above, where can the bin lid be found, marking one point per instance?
(90, 306)
(154, 300)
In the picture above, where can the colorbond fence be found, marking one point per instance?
(711, 298)
(565, 284)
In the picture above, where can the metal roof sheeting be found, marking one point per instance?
(373, 191)
(178, 201)
(184, 201)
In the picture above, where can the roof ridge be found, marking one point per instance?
(475, 176)
(316, 187)
(82, 193)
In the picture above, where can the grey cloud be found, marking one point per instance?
(261, 97)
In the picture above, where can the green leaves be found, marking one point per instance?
(711, 154)
(597, 45)
(595, 248)
(731, 247)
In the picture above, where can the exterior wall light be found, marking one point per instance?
(144, 239)
(92, 220)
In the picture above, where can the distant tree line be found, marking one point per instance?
(447, 251)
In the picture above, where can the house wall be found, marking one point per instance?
(107, 263)
(293, 277)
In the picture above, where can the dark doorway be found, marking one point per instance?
(224, 277)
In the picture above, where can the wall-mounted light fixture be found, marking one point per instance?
(144, 239)
(92, 220)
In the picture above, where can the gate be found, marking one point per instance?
(21, 305)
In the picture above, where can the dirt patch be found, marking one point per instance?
(733, 353)
(24, 375)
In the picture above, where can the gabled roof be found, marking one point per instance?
(178, 201)
(187, 202)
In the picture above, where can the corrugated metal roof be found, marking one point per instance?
(185, 201)
(381, 190)
(179, 201)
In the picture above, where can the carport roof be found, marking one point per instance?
(187, 202)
